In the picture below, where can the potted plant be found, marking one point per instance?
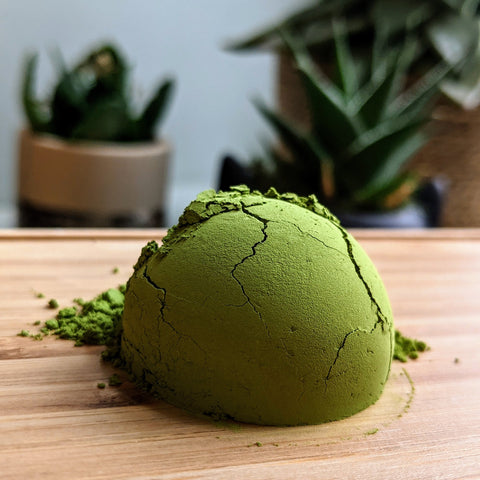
(446, 31)
(87, 157)
(365, 126)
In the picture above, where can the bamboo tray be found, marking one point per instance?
(56, 424)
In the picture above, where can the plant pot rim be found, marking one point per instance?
(54, 142)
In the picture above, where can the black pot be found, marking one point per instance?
(412, 215)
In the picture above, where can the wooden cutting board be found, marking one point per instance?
(56, 424)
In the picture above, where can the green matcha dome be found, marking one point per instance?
(259, 308)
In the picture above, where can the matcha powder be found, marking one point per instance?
(99, 322)
(94, 322)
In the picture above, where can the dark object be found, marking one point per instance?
(412, 215)
(432, 196)
(233, 173)
(34, 217)
(424, 211)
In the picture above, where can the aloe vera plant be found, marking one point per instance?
(92, 101)
(365, 127)
(446, 30)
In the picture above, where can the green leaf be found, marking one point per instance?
(454, 37)
(309, 155)
(327, 106)
(387, 81)
(107, 120)
(298, 22)
(470, 7)
(392, 17)
(416, 99)
(108, 70)
(346, 66)
(378, 198)
(382, 160)
(465, 89)
(38, 116)
(154, 111)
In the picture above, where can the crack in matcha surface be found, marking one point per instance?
(244, 259)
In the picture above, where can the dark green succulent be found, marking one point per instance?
(366, 124)
(445, 30)
(92, 101)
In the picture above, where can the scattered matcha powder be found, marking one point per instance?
(52, 303)
(101, 385)
(38, 322)
(40, 295)
(114, 381)
(412, 392)
(94, 322)
(406, 348)
(115, 270)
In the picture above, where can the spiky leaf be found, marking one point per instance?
(381, 161)
(38, 116)
(346, 65)
(107, 120)
(327, 105)
(154, 111)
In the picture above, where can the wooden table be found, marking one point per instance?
(56, 424)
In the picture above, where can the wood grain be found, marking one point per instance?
(56, 424)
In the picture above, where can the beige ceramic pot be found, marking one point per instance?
(64, 183)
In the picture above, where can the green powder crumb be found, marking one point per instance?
(115, 270)
(24, 333)
(407, 348)
(40, 295)
(51, 324)
(37, 336)
(114, 381)
(256, 444)
(94, 322)
(411, 394)
(226, 424)
(373, 431)
(101, 385)
(52, 303)
(37, 323)
(457, 360)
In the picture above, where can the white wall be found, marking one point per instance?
(211, 112)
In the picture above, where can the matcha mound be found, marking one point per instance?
(259, 308)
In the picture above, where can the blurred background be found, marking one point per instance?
(211, 110)
(386, 138)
